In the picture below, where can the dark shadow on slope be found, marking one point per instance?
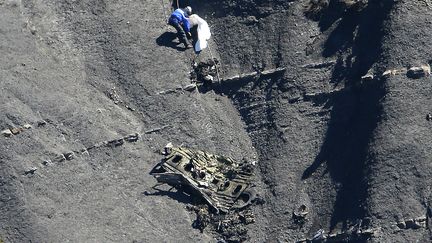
(254, 99)
(342, 37)
(177, 195)
(354, 117)
(355, 112)
(168, 39)
(244, 8)
(331, 14)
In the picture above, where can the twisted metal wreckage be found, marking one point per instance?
(220, 181)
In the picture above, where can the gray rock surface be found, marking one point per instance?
(100, 84)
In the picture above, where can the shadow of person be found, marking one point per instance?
(168, 39)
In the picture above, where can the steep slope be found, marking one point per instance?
(68, 63)
(87, 73)
(327, 138)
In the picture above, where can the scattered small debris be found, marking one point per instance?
(413, 72)
(419, 72)
(168, 91)
(156, 129)
(393, 72)
(415, 223)
(205, 72)
(129, 108)
(320, 64)
(112, 94)
(353, 233)
(60, 158)
(254, 74)
(116, 142)
(85, 151)
(231, 226)
(132, 137)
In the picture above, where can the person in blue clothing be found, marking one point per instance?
(179, 20)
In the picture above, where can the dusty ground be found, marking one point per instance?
(97, 70)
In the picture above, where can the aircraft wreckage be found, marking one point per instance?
(220, 181)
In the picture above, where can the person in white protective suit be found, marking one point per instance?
(203, 32)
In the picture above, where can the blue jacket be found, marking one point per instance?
(178, 17)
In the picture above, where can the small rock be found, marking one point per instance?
(132, 137)
(47, 162)
(16, 130)
(116, 142)
(190, 87)
(6, 133)
(60, 158)
(209, 78)
(367, 77)
(419, 72)
(370, 232)
(320, 64)
(387, 74)
(167, 148)
(27, 126)
(97, 145)
(33, 30)
(420, 221)
(41, 123)
(429, 117)
(251, 20)
(30, 171)
(401, 225)
(411, 224)
(69, 155)
(301, 212)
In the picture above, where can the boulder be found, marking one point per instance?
(16, 130)
(69, 155)
(30, 171)
(6, 133)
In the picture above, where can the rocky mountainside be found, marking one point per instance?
(92, 90)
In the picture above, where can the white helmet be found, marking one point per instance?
(188, 10)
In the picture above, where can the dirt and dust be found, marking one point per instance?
(346, 149)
